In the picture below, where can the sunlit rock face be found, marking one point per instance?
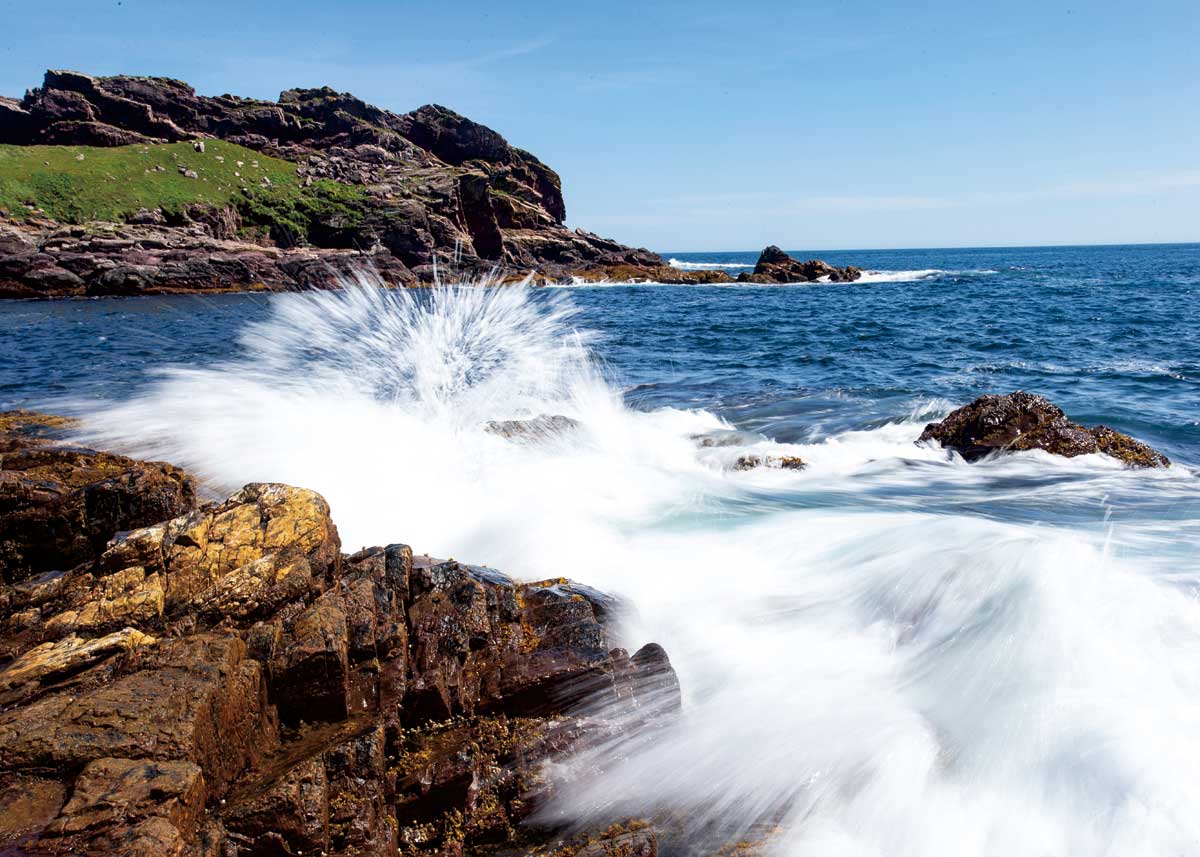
(1023, 421)
(227, 681)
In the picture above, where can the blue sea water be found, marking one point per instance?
(1108, 333)
(891, 651)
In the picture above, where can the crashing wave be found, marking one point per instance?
(706, 266)
(867, 668)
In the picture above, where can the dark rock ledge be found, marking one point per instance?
(221, 679)
(1024, 421)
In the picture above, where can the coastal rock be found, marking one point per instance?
(45, 664)
(776, 266)
(783, 462)
(413, 196)
(540, 427)
(197, 699)
(226, 682)
(60, 505)
(1024, 421)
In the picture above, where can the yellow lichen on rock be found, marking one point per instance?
(69, 655)
(128, 596)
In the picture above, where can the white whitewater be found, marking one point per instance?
(877, 679)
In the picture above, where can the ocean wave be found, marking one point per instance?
(864, 672)
(705, 266)
(921, 274)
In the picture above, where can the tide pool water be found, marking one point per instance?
(888, 652)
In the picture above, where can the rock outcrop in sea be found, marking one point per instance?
(1024, 421)
(776, 266)
(225, 193)
(221, 679)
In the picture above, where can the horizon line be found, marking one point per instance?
(952, 247)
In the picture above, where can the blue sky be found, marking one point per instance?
(707, 126)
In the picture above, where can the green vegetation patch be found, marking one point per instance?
(77, 184)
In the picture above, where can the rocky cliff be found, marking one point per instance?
(318, 181)
(180, 678)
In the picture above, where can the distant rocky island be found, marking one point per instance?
(137, 185)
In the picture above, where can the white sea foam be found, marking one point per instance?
(878, 679)
(921, 274)
(706, 266)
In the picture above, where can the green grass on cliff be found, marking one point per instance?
(77, 184)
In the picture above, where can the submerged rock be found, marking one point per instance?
(785, 462)
(539, 427)
(776, 266)
(1024, 421)
(225, 681)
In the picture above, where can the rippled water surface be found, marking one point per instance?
(888, 652)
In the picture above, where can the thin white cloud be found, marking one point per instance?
(738, 205)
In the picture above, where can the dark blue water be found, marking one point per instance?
(1108, 333)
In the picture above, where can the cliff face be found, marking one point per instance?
(403, 192)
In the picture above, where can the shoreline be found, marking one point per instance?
(172, 674)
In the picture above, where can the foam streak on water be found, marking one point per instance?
(861, 664)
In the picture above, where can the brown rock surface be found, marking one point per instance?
(775, 266)
(1024, 421)
(60, 505)
(224, 681)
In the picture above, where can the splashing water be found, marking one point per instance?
(867, 668)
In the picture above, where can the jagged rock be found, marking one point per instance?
(198, 699)
(44, 664)
(123, 793)
(312, 668)
(60, 505)
(294, 808)
(1024, 421)
(420, 699)
(776, 266)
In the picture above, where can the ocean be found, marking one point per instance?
(890, 651)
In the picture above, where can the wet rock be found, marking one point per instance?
(198, 699)
(538, 428)
(311, 669)
(27, 804)
(50, 662)
(1024, 421)
(655, 685)
(59, 506)
(123, 792)
(1125, 448)
(422, 700)
(776, 266)
(360, 816)
(634, 838)
(784, 462)
(294, 808)
(21, 429)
